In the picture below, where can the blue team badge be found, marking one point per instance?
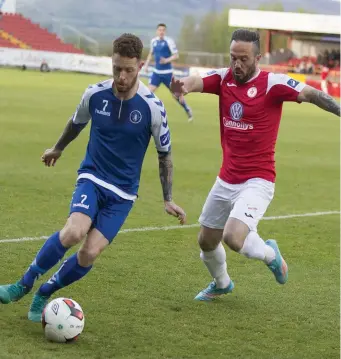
(135, 117)
(236, 111)
(292, 83)
(165, 139)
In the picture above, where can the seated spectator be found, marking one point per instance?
(310, 67)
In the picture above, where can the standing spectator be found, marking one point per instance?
(324, 76)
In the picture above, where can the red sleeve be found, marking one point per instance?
(212, 81)
(283, 88)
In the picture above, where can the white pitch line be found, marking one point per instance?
(168, 228)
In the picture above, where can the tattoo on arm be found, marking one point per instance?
(70, 132)
(166, 174)
(324, 101)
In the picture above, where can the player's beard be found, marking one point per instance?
(123, 89)
(242, 79)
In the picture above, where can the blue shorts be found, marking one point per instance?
(157, 79)
(107, 210)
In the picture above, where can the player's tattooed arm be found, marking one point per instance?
(70, 132)
(320, 99)
(166, 175)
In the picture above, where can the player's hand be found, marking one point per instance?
(178, 89)
(51, 156)
(176, 211)
(163, 60)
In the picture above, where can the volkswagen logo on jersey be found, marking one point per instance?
(236, 111)
(135, 117)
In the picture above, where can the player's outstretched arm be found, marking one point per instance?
(320, 99)
(186, 85)
(166, 178)
(70, 132)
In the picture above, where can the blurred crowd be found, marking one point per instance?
(313, 65)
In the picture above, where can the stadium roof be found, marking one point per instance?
(285, 21)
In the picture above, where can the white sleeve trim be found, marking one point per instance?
(221, 72)
(172, 46)
(285, 80)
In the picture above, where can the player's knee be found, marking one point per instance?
(71, 235)
(87, 256)
(233, 239)
(206, 242)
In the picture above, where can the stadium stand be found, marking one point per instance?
(16, 31)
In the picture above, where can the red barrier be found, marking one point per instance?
(333, 87)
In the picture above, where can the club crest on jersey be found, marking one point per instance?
(135, 116)
(252, 92)
(292, 83)
(236, 111)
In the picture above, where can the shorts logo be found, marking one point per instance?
(293, 83)
(135, 117)
(82, 205)
(252, 92)
(236, 111)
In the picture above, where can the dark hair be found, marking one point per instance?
(247, 36)
(128, 45)
(161, 24)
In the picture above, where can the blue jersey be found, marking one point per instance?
(163, 48)
(119, 136)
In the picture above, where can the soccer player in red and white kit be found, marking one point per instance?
(250, 104)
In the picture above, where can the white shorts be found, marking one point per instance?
(247, 202)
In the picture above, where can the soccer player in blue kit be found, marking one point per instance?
(124, 115)
(164, 50)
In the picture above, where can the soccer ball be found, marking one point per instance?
(62, 320)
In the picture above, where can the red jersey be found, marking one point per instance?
(250, 115)
(324, 73)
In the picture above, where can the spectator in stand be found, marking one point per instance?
(310, 67)
(303, 67)
(324, 77)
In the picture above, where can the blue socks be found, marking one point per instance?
(48, 256)
(69, 272)
(184, 105)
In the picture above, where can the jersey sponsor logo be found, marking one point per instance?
(237, 124)
(292, 83)
(165, 139)
(86, 206)
(135, 117)
(236, 111)
(252, 92)
(104, 113)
